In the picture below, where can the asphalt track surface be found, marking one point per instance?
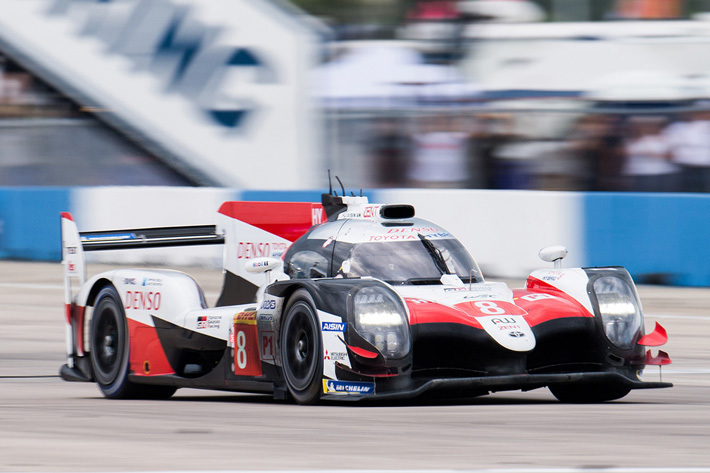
(47, 424)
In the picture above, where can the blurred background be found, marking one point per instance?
(590, 95)
(257, 99)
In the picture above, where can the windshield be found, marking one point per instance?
(410, 262)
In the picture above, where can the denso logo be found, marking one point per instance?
(248, 249)
(333, 326)
(140, 300)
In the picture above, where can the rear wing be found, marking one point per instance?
(151, 238)
(75, 243)
(247, 229)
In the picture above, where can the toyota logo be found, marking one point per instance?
(516, 334)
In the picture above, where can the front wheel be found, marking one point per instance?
(301, 353)
(588, 393)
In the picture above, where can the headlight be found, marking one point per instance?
(380, 318)
(621, 315)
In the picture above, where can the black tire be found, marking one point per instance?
(109, 346)
(588, 393)
(301, 349)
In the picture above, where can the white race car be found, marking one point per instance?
(347, 300)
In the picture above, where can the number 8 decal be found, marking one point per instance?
(490, 308)
(241, 351)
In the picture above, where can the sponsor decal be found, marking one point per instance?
(208, 322)
(537, 297)
(414, 230)
(267, 346)
(248, 249)
(331, 386)
(350, 214)
(371, 211)
(454, 289)
(142, 300)
(152, 282)
(268, 304)
(392, 237)
(266, 317)
(335, 356)
(317, 215)
(71, 250)
(510, 331)
(552, 276)
(497, 321)
(129, 281)
(434, 236)
(259, 264)
(247, 317)
(333, 326)
(109, 236)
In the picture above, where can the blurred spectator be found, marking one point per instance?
(492, 130)
(689, 141)
(574, 165)
(647, 156)
(611, 155)
(439, 155)
(389, 148)
(597, 163)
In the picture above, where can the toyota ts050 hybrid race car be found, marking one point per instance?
(347, 300)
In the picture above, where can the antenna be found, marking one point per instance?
(330, 184)
(341, 184)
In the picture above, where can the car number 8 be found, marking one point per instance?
(490, 308)
(241, 351)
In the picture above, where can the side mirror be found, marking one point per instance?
(262, 265)
(553, 254)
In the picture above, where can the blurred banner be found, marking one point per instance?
(215, 87)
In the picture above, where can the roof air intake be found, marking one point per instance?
(396, 212)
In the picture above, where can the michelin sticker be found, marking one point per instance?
(331, 386)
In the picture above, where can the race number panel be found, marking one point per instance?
(246, 345)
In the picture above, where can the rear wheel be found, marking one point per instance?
(588, 393)
(109, 351)
(301, 353)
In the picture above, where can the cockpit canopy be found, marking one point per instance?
(413, 251)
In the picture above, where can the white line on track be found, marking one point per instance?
(485, 470)
(13, 285)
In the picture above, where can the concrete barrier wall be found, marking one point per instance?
(659, 238)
